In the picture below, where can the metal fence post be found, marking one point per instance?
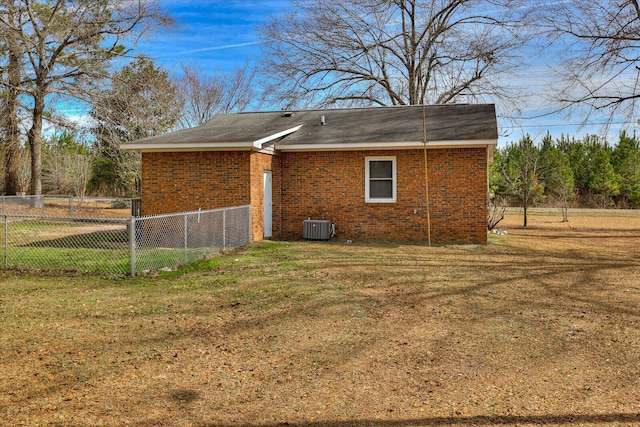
(186, 240)
(6, 242)
(132, 245)
(249, 226)
(224, 230)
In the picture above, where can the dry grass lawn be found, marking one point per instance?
(539, 327)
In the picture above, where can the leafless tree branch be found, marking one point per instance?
(600, 72)
(394, 52)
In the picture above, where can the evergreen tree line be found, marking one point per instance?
(568, 172)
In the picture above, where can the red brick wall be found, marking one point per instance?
(259, 163)
(330, 185)
(458, 195)
(186, 181)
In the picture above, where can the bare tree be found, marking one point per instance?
(200, 96)
(495, 212)
(204, 95)
(65, 45)
(67, 165)
(519, 169)
(66, 171)
(601, 55)
(557, 175)
(394, 52)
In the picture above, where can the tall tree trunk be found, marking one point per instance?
(35, 144)
(10, 113)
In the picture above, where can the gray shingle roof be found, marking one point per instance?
(449, 122)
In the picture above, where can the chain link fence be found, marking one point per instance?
(126, 245)
(164, 241)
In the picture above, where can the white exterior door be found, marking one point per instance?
(267, 204)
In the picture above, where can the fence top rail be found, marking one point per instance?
(58, 196)
(179, 214)
(65, 218)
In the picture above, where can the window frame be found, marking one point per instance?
(367, 179)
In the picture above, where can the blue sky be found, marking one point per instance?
(220, 35)
(213, 34)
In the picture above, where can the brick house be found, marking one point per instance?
(363, 169)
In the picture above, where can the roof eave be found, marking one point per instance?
(260, 144)
(407, 145)
(188, 146)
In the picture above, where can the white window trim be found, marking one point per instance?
(368, 199)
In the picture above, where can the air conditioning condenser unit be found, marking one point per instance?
(313, 229)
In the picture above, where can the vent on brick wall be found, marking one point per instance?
(313, 229)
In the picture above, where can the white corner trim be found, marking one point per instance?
(259, 144)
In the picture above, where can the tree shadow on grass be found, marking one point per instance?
(104, 239)
(530, 266)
